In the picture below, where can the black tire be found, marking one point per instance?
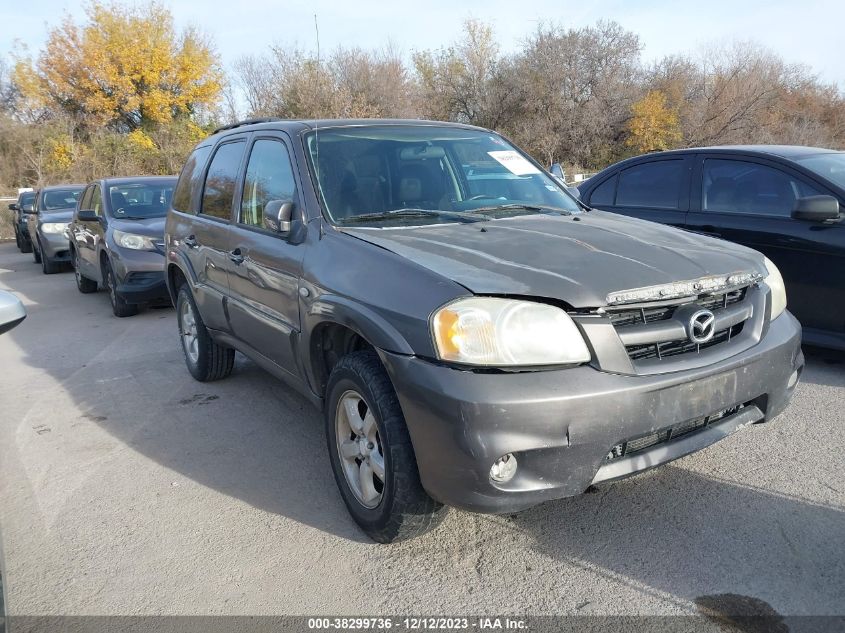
(49, 267)
(18, 241)
(83, 284)
(26, 245)
(118, 305)
(405, 510)
(213, 361)
(36, 254)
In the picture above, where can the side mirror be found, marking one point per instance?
(557, 173)
(576, 193)
(12, 311)
(87, 215)
(816, 208)
(278, 215)
(28, 209)
(13, 206)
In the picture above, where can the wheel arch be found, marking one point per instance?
(334, 327)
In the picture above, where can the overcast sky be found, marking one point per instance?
(804, 31)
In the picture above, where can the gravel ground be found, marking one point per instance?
(128, 488)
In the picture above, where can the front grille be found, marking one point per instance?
(641, 443)
(623, 318)
(682, 346)
(626, 318)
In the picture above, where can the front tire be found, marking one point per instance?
(118, 305)
(206, 360)
(371, 453)
(49, 267)
(36, 254)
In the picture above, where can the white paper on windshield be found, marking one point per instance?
(514, 162)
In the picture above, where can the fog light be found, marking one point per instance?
(503, 469)
(793, 380)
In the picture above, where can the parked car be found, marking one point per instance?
(117, 240)
(25, 204)
(783, 201)
(485, 343)
(47, 227)
(12, 311)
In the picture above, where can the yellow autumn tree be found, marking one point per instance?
(126, 68)
(653, 125)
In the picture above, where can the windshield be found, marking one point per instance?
(830, 166)
(136, 201)
(27, 198)
(55, 199)
(426, 174)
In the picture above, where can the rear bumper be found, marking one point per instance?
(562, 424)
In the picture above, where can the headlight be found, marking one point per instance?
(54, 227)
(506, 332)
(135, 242)
(775, 283)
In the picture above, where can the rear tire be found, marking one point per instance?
(118, 305)
(206, 360)
(394, 507)
(83, 284)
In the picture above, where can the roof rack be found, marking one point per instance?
(232, 126)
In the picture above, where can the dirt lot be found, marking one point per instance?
(128, 488)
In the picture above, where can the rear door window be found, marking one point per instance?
(655, 185)
(219, 191)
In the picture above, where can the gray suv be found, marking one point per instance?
(47, 226)
(117, 240)
(475, 336)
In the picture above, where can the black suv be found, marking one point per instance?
(24, 206)
(475, 336)
(784, 201)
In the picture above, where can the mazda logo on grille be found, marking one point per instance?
(702, 326)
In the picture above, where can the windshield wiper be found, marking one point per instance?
(413, 213)
(518, 207)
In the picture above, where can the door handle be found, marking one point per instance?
(190, 241)
(236, 256)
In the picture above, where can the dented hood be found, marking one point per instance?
(578, 261)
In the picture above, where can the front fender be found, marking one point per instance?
(373, 327)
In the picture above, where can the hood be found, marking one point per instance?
(58, 215)
(148, 227)
(577, 259)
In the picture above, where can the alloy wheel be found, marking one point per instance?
(188, 330)
(359, 448)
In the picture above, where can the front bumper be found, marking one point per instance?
(54, 246)
(562, 424)
(140, 275)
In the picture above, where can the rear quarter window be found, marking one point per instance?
(604, 194)
(189, 180)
